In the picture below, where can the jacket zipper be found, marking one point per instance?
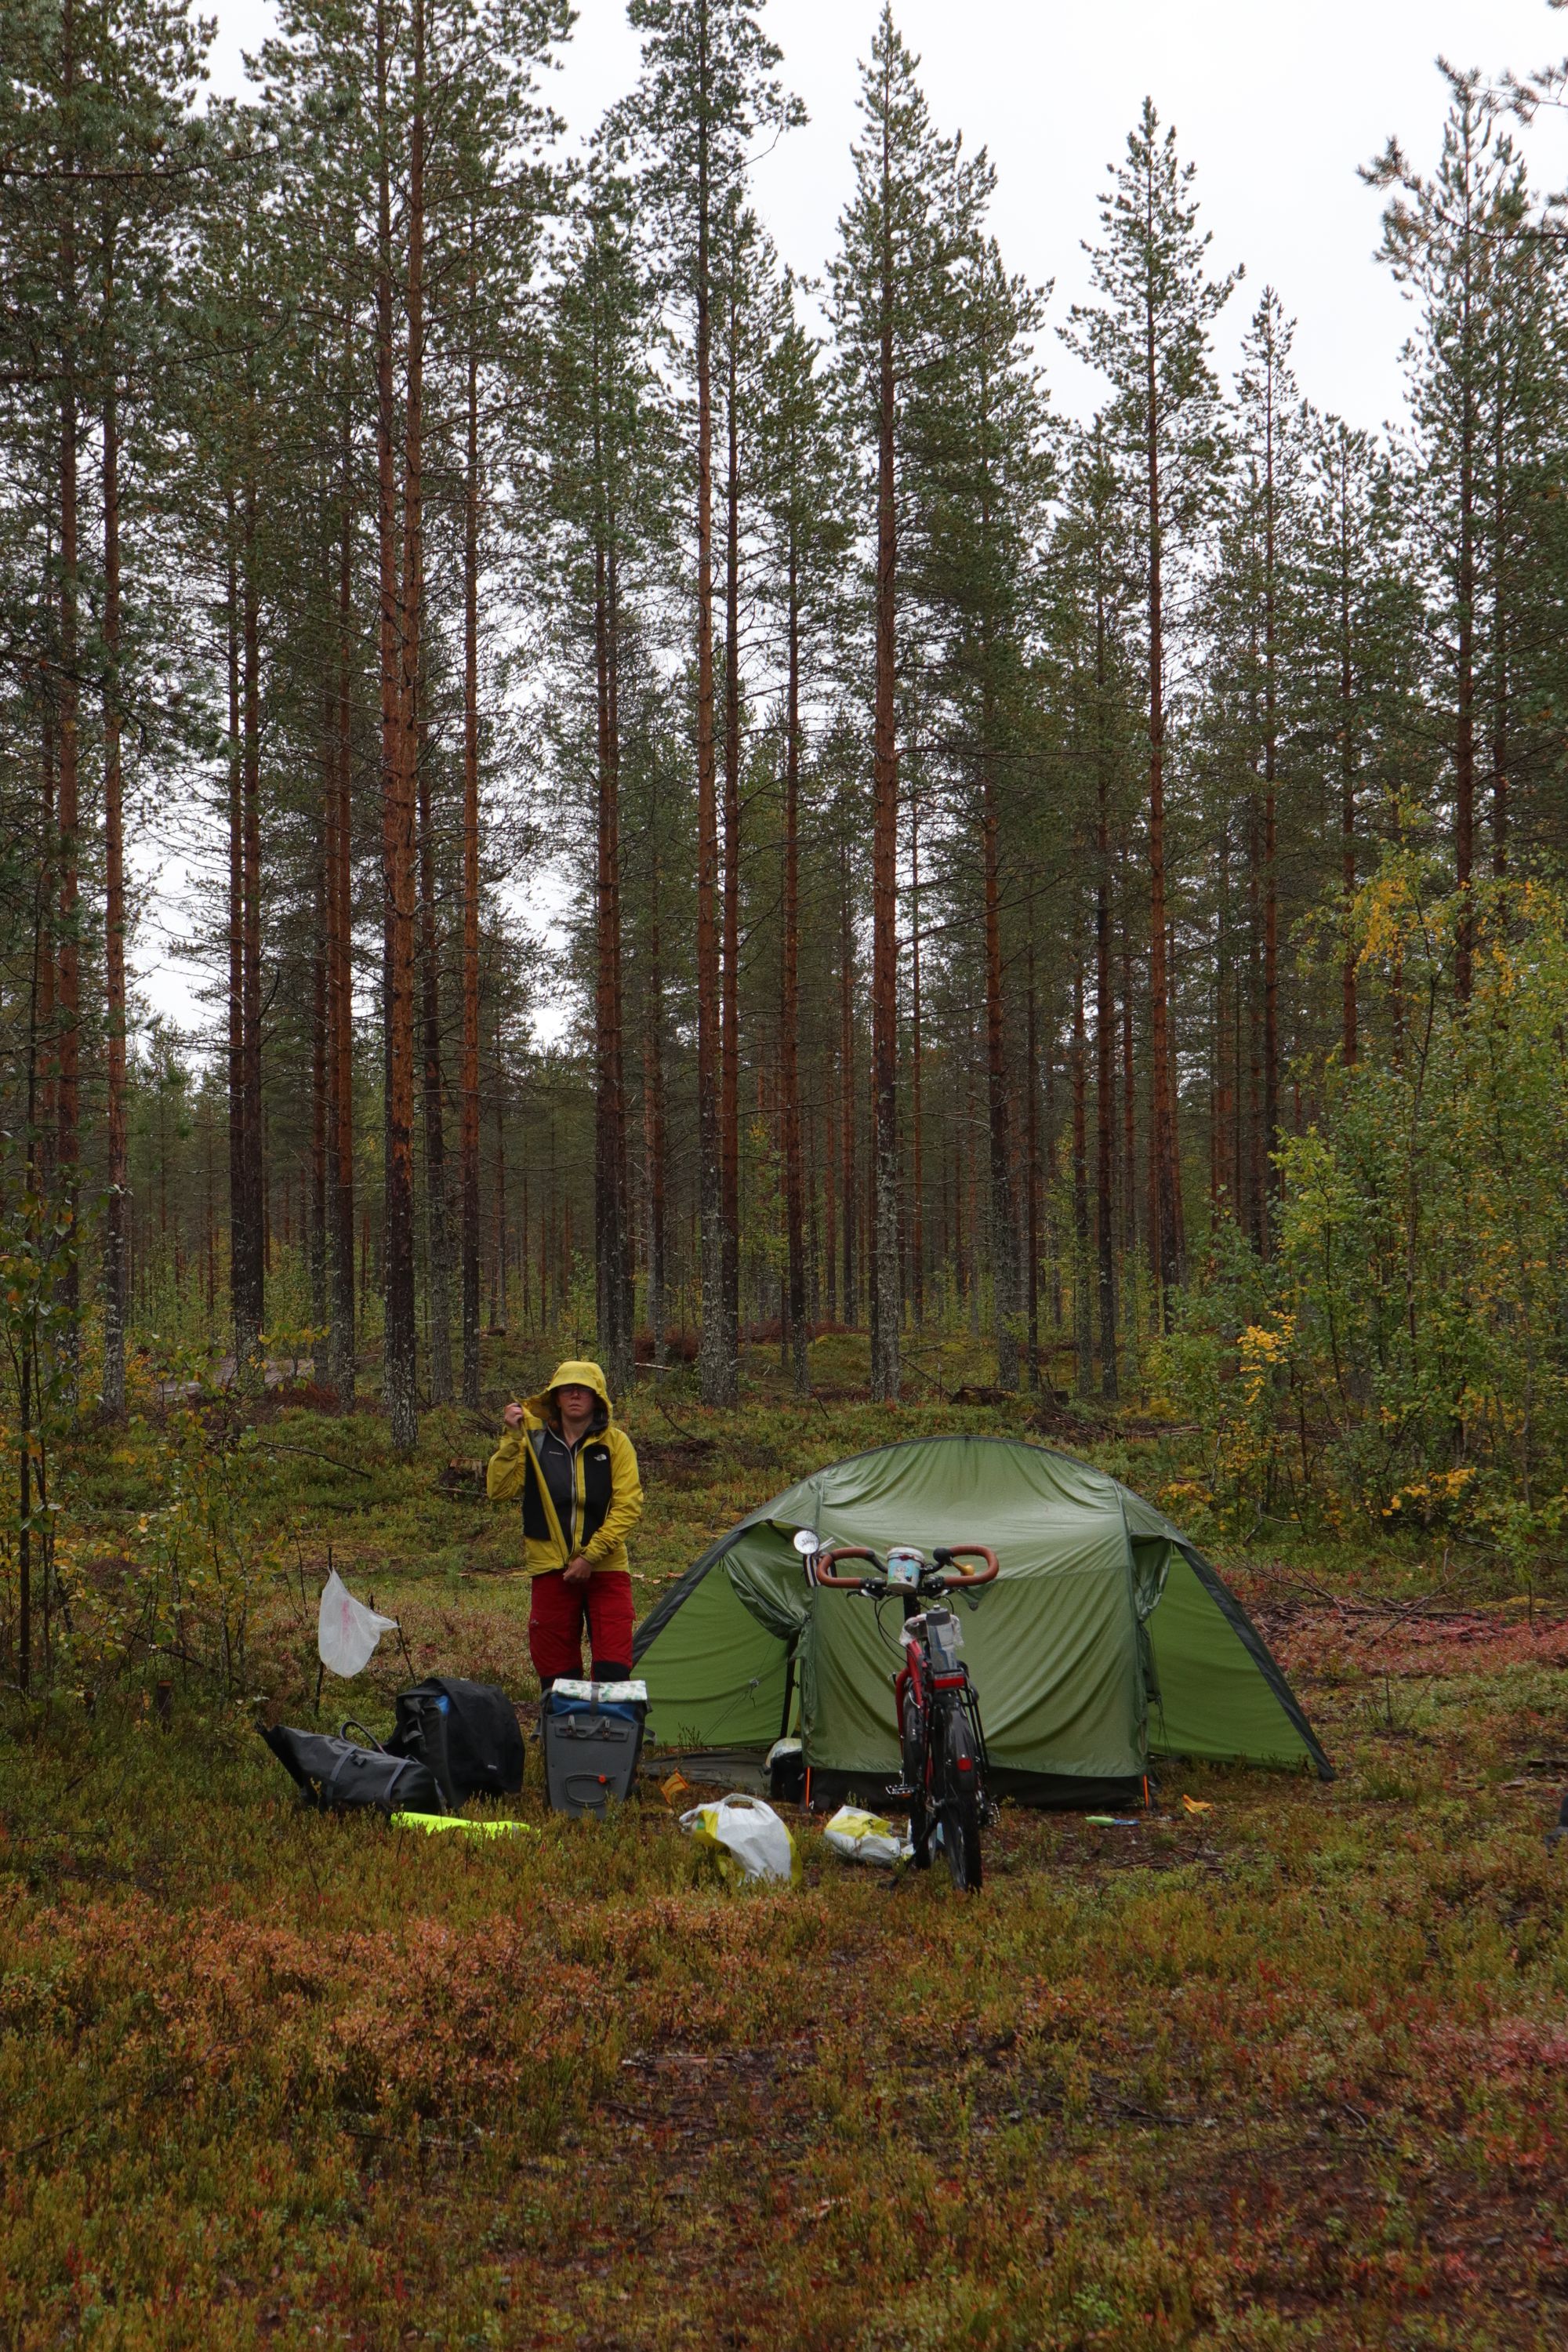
(570, 1528)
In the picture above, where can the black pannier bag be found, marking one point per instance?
(334, 1774)
(467, 1733)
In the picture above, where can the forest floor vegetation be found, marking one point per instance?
(1288, 2070)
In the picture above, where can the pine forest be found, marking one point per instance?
(718, 816)
(698, 882)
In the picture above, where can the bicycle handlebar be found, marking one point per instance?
(973, 1551)
(827, 1560)
(843, 1552)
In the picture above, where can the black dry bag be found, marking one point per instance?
(466, 1732)
(334, 1774)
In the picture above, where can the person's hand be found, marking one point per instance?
(512, 1416)
(576, 1571)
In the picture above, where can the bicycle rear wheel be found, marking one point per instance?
(914, 1762)
(962, 1798)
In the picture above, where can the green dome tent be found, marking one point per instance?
(1107, 1643)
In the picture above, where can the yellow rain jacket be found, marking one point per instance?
(582, 1499)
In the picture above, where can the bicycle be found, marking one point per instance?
(942, 1741)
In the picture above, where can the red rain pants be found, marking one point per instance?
(555, 1624)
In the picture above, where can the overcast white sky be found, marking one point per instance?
(1276, 102)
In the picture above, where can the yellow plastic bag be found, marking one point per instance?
(860, 1836)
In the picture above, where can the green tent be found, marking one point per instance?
(1107, 1643)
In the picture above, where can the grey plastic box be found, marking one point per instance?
(591, 1743)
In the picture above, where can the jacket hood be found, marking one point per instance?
(572, 1373)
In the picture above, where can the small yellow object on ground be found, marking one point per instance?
(674, 1784)
(1197, 1805)
(431, 1822)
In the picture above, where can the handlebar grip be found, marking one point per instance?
(841, 1583)
(971, 1551)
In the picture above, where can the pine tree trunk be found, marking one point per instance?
(1104, 1083)
(340, 958)
(249, 1274)
(470, 1139)
(1032, 1164)
(68, 968)
(831, 1193)
(244, 1342)
(1465, 678)
(610, 1204)
(1166, 1239)
(1502, 750)
(209, 1222)
(1348, 976)
(36, 1147)
(1221, 1002)
(1238, 1143)
(717, 1364)
(917, 1077)
(318, 1210)
(653, 1123)
(970, 1209)
(42, 1029)
(1271, 1013)
(68, 962)
(729, 1043)
(437, 1235)
(115, 1301)
(524, 1263)
(498, 1277)
(399, 657)
(850, 1268)
(321, 1058)
(1003, 1252)
(1270, 832)
(789, 1014)
(1394, 821)
(1256, 1129)
(1129, 1098)
(1082, 1291)
(1223, 1014)
(885, 1281)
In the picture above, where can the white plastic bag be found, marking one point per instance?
(348, 1632)
(748, 1833)
(867, 1837)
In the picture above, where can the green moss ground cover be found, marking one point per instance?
(1291, 2071)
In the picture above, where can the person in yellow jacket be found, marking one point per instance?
(577, 1476)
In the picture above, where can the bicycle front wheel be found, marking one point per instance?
(962, 1798)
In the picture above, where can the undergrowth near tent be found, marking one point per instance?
(1292, 2070)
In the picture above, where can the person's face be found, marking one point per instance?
(576, 1402)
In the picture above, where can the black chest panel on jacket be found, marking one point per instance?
(555, 1460)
